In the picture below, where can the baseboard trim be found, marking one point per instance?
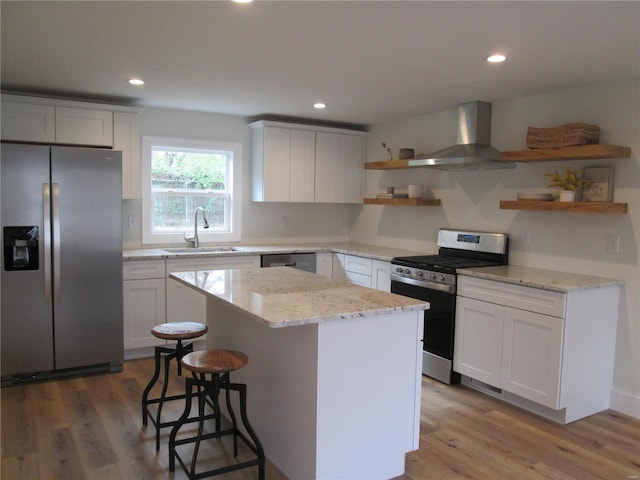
(625, 402)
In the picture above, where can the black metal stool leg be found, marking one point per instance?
(150, 385)
(179, 423)
(242, 390)
(232, 414)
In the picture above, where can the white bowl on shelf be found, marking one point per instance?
(534, 196)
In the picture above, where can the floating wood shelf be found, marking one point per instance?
(578, 152)
(547, 206)
(387, 165)
(413, 202)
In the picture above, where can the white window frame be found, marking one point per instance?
(205, 236)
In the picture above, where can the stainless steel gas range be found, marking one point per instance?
(433, 278)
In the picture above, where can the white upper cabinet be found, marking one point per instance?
(304, 163)
(302, 166)
(81, 126)
(42, 120)
(339, 160)
(28, 123)
(126, 138)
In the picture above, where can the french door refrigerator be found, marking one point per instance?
(61, 276)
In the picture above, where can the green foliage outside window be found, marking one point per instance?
(184, 180)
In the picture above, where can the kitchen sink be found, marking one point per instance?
(200, 249)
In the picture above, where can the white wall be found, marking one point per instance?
(572, 242)
(261, 222)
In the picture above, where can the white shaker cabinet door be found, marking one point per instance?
(126, 138)
(83, 126)
(532, 355)
(338, 168)
(478, 340)
(28, 123)
(302, 166)
(276, 164)
(143, 309)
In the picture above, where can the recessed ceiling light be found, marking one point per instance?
(497, 58)
(242, 1)
(319, 105)
(136, 81)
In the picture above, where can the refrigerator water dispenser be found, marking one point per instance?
(21, 248)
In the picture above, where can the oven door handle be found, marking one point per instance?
(441, 287)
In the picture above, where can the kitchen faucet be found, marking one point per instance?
(194, 241)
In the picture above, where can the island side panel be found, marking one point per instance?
(369, 392)
(281, 380)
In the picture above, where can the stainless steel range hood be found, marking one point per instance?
(474, 150)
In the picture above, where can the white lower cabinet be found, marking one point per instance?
(507, 348)
(143, 290)
(324, 264)
(362, 271)
(547, 351)
(150, 297)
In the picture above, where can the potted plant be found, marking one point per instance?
(569, 183)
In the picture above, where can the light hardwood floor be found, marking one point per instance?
(90, 428)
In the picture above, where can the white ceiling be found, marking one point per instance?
(370, 61)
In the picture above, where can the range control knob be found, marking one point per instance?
(399, 269)
(407, 271)
(420, 273)
(439, 278)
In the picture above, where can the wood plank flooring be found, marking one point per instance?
(89, 427)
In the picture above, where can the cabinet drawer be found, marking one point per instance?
(143, 269)
(358, 279)
(357, 264)
(176, 265)
(525, 298)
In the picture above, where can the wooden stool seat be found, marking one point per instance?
(179, 330)
(214, 361)
(211, 370)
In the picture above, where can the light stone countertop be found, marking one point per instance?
(374, 252)
(286, 297)
(539, 278)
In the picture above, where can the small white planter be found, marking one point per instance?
(567, 196)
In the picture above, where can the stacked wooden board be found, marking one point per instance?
(563, 136)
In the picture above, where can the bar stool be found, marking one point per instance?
(177, 331)
(210, 371)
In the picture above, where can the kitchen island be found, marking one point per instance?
(334, 373)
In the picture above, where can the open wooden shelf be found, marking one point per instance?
(413, 202)
(549, 206)
(387, 165)
(578, 152)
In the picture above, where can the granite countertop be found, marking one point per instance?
(286, 297)
(539, 278)
(374, 252)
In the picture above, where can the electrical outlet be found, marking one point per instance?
(284, 222)
(613, 243)
(526, 237)
(131, 222)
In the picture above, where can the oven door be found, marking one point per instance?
(439, 320)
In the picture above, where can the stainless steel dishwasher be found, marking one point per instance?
(301, 261)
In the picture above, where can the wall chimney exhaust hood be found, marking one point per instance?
(474, 150)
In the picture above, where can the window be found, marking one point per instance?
(181, 175)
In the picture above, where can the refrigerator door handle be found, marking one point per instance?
(55, 206)
(46, 209)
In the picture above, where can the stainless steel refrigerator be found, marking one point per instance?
(61, 276)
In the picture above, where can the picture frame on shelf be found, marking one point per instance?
(601, 187)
